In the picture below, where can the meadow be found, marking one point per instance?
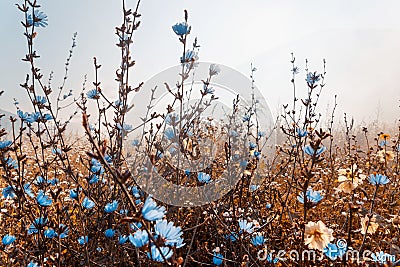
(185, 186)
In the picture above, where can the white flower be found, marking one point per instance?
(346, 183)
(385, 155)
(372, 227)
(317, 235)
(214, 69)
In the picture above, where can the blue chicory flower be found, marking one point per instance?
(218, 259)
(246, 118)
(301, 132)
(11, 163)
(32, 264)
(135, 142)
(22, 115)
(50, 233)
(40, 180)
(47, 117)
(169, 133)
(135, 191)
(54, 181)
(5, 144)
(108, 159)
(155, 254)
(139, 238)
(73, 193)
(43, 200)
(245, 226)
(109, 233)
(125, 127)
(232, 236)
(170, 233)
(93, 94)
(94, 178)
(41, 99)
(123, 212)
(383, 143)
(171, 119)
(28, 190)
(8, 240)
(39, 19)
(87, 203)
(136, 226)
(64, 229)
(122, 239)
(38, 223)
(378, 179)
(181, 28)
(111, 207)
(253, 187)
(313, 78)
(56, 151)
(261, 134)
(96, 166)
(233, 133)
(312, 196)
(9, 192)
(204, 177)
(252, 146)
(34, 116)
(310, 151)
(151, 211)
(83, 240)
(257, 240)
(190, 55)
(208, 90)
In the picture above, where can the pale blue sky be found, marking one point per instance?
(359, 39)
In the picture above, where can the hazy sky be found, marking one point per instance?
(360, 41)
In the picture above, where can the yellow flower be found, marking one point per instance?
(384, 136)
(372, 227)
(317, 235)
